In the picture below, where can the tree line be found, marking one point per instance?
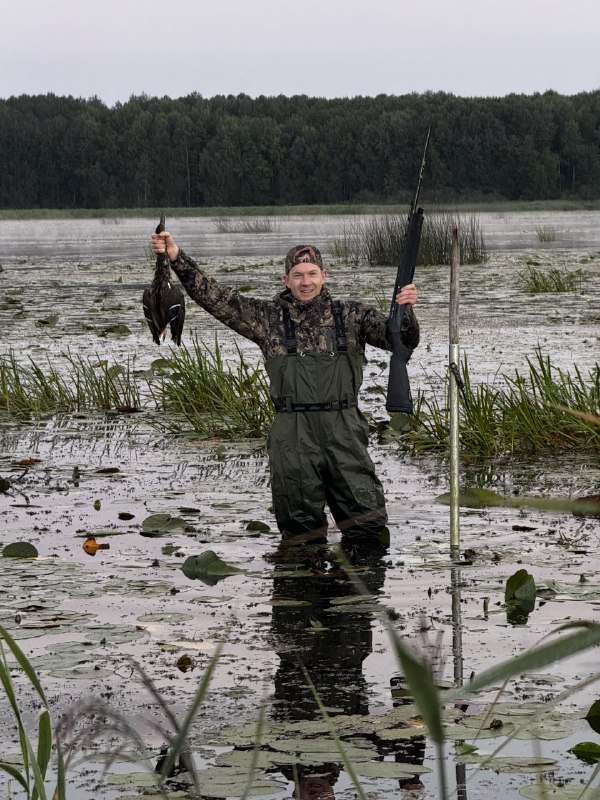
(66, 152)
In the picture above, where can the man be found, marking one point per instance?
(314, 350)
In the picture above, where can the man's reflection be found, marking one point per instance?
(317, 625)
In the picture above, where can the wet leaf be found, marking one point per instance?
(20, 550)
(91, 546)
(115, 330)
(510, 763)
(208, 568)
(226, 782)
(389, 769)
(587, 751)
(185, 663)
(162, 523)
(520, 590)
(125, 515)
(593, 717)
(550, 791)
(463, 749)
(257, 525)
(474, 498)
(47, 322)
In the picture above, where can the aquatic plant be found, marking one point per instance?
(544, 410)
(546, 233)
(536, 281)
(35, 760)
(238, 224)
(212, 397)
(380, 240)
(34, 388)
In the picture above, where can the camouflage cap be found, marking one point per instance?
(303, 254)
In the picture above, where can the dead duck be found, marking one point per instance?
(164, 304)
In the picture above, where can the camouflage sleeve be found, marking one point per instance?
(374, 329)
(242, 314)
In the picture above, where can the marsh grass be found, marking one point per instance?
(266, 224)
(215, 398)
(535, 281)
(93, 719)
(379, 240)
(545, 409)
(546, 233)
(34, 388)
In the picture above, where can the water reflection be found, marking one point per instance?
(321, 627)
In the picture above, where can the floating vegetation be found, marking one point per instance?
(380, 240)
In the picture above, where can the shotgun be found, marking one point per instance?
(399, 397)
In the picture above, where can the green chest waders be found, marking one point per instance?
(318, 443)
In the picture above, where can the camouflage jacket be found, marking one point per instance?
(261, 321)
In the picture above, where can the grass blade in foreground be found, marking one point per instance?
(586, 635)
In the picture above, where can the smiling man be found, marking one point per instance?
(314, 351)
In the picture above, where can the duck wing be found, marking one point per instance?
(175, 300)
(149, 306)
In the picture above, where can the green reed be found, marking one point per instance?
(214, 397)
(265, 224)
(546, 233)
(379, 240)
(35, 758)
(526, 413)
(72, 384)
(536, 281)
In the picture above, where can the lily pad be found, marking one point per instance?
(233, 782)
(208, 568)
(20, 550)
(257, 525)
(593, 717)
(587, 751)
(162, 523)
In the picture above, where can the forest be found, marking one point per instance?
(64, 152)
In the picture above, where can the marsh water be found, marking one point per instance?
(81, 619)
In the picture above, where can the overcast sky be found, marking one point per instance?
(328, 48)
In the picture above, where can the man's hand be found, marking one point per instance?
(407, 296)
(164, 243)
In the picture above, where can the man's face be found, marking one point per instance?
(305, 281)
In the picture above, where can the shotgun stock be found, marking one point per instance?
(399, 396)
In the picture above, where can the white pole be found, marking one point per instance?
(453, 398)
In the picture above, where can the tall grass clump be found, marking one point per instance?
(215, 398)
(379, 240)
(546, 233)
(246, 224)
(34, 388)
(536, 281)
(30, 774)
(545, 409)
